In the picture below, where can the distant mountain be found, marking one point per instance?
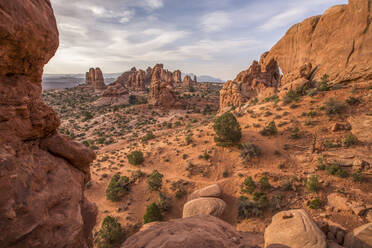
(204, 78)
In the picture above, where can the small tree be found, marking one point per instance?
(227, 128)
(155, 181)
(153, 213)
(248, 185)
(117, 187)
(135, 158)
(312, 183)
(110, 235)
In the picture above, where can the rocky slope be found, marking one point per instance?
(42, 172)
(317, 46)
(95, 78)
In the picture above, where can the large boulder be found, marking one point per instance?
(213, 190)
(361, 126)
(42, 203)
(204, 206)
(197, 231)
(294, 229)
(360, 237)
(321, 41)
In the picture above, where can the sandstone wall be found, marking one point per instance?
(42, 203)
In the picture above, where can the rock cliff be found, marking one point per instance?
(42, 203)
(95, 78)
(135, 79)
(259, 80)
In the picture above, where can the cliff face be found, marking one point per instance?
(337, 43)
(42, 203)
(95, 78)
(258, 80)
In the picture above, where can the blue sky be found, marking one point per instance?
(206, 37)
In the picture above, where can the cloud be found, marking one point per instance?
(154, 4)
(283, 19)
(216, 21)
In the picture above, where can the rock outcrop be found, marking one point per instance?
(258, 81)
(162, 91)
(95, 78)
(134, 79)
(295, 229)
(321, 41)
(188, 82)
(43, 174)
(198, 231)
(213, 190)
(177, 77)
(360, 237)
(204, 206)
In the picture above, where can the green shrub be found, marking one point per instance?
(248, 208)
(264, 183)
(149, 136)
(249, 151)
(110, 235)
(248, 185)
(323, 85)
(315, 204)
(336, 170)
(350, 140)
(290, 96)
(227, 128)
(353, 100)
(188, 139)
(333, 107)
(152, 214)
(357, 176)
(155, 180)
(117, 187)
(270, 129)
(295, 133)
(312, 183)
(135, 158)
(261, 199)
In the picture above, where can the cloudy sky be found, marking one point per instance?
(206, 37)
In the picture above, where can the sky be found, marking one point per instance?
(219, 38)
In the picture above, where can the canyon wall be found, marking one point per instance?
(43, 173)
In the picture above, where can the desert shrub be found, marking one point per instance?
(248, 185)
(336, 170)
(269, 129)
(357, 176)
(350, 140)
(248, 208)
(323, 84)
(164, 202)
(261, 199)
(155, 181)
(353, 100)
(227, 128)
(188, 139)
(264, 183)
(135, 158)
(149, 136)
(117, 187)
(249, 151)
(315, 204)
(333, 107)
(312, 183)
(110, 235)
(287, 185)
(153, 213)
(295, 133)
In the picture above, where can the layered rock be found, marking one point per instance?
(321, 41)
(295, 229)
(162, 91)
(42, 203)
(198, 231)
(95, 78)
(258, 81)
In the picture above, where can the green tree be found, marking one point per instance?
(227, 128)
(135, 158)
(117, 187)
(153, 213)
(155, 180)
(110, 235)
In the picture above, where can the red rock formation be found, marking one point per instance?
(161, 89)
(42, 173)
(95, 78)
(135, 80)
(258, 81)
(200, 232)
(337, 43)
(177, 77)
